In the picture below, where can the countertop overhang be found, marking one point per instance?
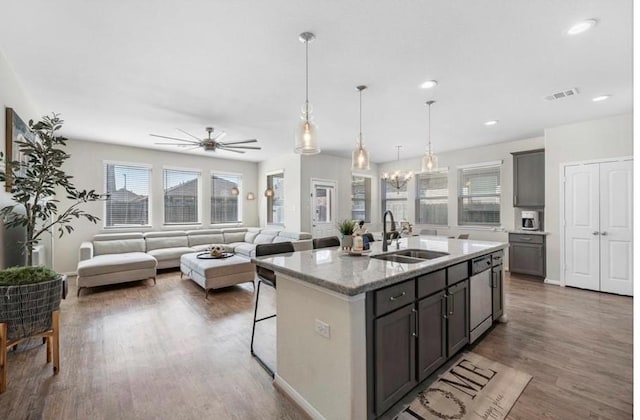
(335, 270)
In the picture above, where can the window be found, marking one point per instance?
(180, 197)
(128, 188)
(395, 200)
(275, 202)
(432, 199)
(361, 198)
(225, 206)
(479, 195)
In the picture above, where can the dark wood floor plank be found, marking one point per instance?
(138, 351)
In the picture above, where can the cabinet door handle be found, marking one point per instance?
(392, 298)
(596, 233)
(451, 307)
(445, 306)
(415, 322)
(494, 280)
(603, 233)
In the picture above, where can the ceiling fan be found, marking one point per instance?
(210, 144)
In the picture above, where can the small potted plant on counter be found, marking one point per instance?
(346, 229)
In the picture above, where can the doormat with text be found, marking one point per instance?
(473, 388)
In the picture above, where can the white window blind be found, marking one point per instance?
(180, 196)
(432, 198)
(395, 200)
(361, 198)
(275, 203)
(225, 207)
(479, 196)
(128, 188)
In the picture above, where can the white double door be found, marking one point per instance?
(598, 235)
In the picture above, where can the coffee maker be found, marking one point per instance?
(530, 220)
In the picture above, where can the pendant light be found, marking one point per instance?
(360, 157)
(429, 160)
(307, 130)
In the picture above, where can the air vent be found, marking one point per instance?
(562, 94)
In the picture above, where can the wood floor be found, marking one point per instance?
(140, 351)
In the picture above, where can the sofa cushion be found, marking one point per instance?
(294, 236)
(230, 237)
(117, 246)
(112, 263)
(204, 237)
(248, 250)
(264, 238)
(249, 237)
(159, 240)
(169, 253)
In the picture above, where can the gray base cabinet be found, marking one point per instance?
(527, 254)
(432, 334)
(395, 360)
(457, 317)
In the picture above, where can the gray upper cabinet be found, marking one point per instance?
(528, 178)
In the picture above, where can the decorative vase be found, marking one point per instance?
(347, 242)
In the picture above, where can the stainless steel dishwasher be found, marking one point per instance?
(480, 291)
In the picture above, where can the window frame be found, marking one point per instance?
(198, 206)
(368, 199)
(498, 194)
(442, 172)
(136, 165)
(238, 197)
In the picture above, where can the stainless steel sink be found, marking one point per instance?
(410, 256)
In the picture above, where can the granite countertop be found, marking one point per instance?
(528, 232)
(333, 269)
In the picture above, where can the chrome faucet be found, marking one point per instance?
(384, 230)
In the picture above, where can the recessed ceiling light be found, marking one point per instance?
(429, 84)
(490, 123)
(581, 27)
(601, 98)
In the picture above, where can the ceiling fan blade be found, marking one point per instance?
(189, 134)
(177, 144)
(172, 138)
(242, 147)
(220, 135)
(193, 148)
(240, 142)
(230, 150)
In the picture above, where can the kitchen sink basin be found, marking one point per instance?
(410, 256)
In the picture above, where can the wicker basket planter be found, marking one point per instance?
(26, 309)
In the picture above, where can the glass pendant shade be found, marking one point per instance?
(360, 158)
(306, 134)
(429, 160)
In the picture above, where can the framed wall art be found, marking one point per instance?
(15, 130)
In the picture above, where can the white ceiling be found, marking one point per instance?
(119, 70)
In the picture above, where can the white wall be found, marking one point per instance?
(290, 164)
(87, 166)
(12, 95)
(338, 169)
(455, 158)
(589, 140)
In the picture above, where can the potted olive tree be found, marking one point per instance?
(30, 295)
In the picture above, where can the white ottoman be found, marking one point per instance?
(217, 273)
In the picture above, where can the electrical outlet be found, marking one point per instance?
(322, 328)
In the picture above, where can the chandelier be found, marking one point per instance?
(399, 178)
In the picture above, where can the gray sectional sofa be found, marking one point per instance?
(122, 257)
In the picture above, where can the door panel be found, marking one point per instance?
(323, 208)
(458, 317)
(432, 343)
(616, 227)
(582, 244)
(526, 259)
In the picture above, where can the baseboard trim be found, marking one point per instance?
(552, 282)
(284, 387)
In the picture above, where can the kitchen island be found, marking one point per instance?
(356, 333)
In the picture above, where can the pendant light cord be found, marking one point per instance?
(306, 102)
(360, 137)
(429, 129)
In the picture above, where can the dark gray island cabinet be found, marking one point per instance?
(355, 334)
(416, 326)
